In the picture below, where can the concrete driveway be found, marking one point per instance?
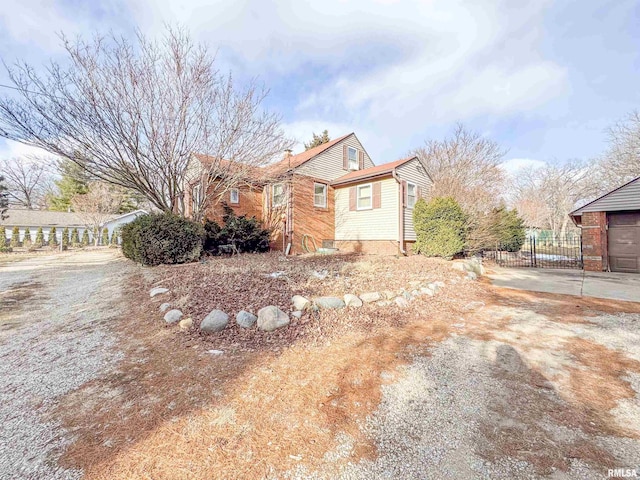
(614, 286)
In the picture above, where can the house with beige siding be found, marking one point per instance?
(333, 196)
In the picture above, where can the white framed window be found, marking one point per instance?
(277, 195)
(196, 197)
(319, 195)
(352, 158)
(234, 196)
(364, 197)
(412, 194)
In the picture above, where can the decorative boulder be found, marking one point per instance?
(329, 302)
(433, 287)
(173, 316)
(157, 291)
(271, 318)
(388, 294)
(164, 307)
(300, 303)
(245, 319)
(426, 291)
(370, 297)
(297, 314)
(350, 300)
(472, 275)
(216, 321)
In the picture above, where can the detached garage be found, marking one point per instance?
(611, 230)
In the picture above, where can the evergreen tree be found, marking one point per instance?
(53, 236)
(75, 237)
(65, 237)
(15, 237)
(114, 237)
(74, 181)
(3, 236)
(441, 227)
(318, 140)
(39, 237)
(105, 236)
(26, 240)
(85, 237)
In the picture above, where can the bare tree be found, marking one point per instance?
(465, 166)
(97, 206)
(621, 162)
(545, 196)
(4, 202)
(134, 113)
(29, 179)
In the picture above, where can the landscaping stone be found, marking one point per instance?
(462, 266)
(245, 319)
(406, 295)
(415, 293)
(216, 321)
(300, 303)
(271, 318)
(370, 297)
(329, 302)
(388, 294)
(164, 307)
(433, 287)
(472, 275)
(215, 352)
(297, 314)
(439, 283)
(383, 303)
(186, 324)
(401, 302)
(473, 306)
(157, 291)
(351, 300)
(173, 316)
(426, 291)
(415, 283)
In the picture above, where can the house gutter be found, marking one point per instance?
(401, 212)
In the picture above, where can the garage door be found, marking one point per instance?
(624, 242)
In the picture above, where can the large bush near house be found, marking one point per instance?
(162, 238)
(440, 227)
(245, 233)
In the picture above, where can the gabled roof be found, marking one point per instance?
(40, 218)
(294, 161)
(372, 172)
(607, 203)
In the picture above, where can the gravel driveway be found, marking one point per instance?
(54, 336)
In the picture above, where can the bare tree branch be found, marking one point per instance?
(28, 180)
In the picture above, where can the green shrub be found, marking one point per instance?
(15, 237)
(114, 237)
(509, 229)
(39, 237)
(26, 239)
(162, 238)
(245, 233)
(5, 249)
(75, 237)
(3, 236)
(53, 237)
(85, 237)
(65, 237)
(440, 227)
(104, 240)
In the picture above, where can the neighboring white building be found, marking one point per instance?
(34, 219)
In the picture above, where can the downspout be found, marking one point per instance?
(401, 212)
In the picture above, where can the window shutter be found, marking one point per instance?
(345, 158)
(377, 195)
(360, 160)
(419, 192)
(353, 201)
(404, 193)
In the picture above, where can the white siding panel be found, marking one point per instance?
(413, 172)
(328, 165)
(375, 224)
(626, 198)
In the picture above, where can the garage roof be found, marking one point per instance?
(626, 197)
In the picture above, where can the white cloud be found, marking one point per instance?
(11, 149)
(515, 165)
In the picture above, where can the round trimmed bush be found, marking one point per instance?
(440, 227)
(162, 238)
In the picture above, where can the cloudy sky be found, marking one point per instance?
(544, 78)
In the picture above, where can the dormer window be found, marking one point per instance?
(352, 158)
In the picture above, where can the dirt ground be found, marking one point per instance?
(474, 382)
